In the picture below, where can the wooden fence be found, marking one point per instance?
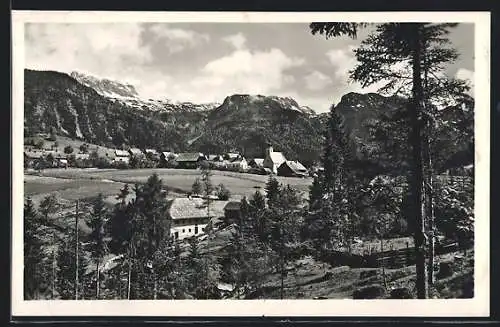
(390, 259)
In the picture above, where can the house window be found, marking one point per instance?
(176, 235)
(196, 229)
(190, 230)
(183, 230)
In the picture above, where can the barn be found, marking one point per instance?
(292, 169)
(190, 160)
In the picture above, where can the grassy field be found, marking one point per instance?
(72, 184)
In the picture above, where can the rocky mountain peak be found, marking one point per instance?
(106, 87)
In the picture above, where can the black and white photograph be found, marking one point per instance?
(265, 159)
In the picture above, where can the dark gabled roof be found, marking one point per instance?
(295, 166)
(188, 157)
(233, 205)
(258, 161)
(135, 151)
(237, 160)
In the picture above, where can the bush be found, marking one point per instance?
(223, 193)
(445, 270)
(121, 165)
(38, 143)
(84, 148)
(401, 293)
(68, 149)
(369, 292)
(102, 163)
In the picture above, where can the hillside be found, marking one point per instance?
(56, 101)
(247, 122)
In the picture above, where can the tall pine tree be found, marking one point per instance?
(33, 266)
(98, 249)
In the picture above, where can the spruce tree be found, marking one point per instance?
(152, 206)
(196, 187)
(33, 268)
(272, 190)
(48, 207)
(99, 216)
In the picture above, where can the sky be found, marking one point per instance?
(205, 62)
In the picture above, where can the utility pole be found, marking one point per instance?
(77, 263)
(54, 264)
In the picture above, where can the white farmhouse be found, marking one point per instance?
(190, 216)
(121, 156)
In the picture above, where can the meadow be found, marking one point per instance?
(73, 183)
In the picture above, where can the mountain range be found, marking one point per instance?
(112, 113)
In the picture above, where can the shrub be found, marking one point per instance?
(121, 165)
(401, 293)
(445, 270)
(38, 143)
(68, 149)
(196, 187)
(84, 148)
(369, 292)
(223, 193)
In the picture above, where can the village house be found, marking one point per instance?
(121, 156)
(232, 212)
(136, 152)
(231, 156)
(256, 163)
(190, 216)
(215, 158)
(59, 159)
(273, 159)
(292, 169)
(33, 157)
(167, 156)
(238, 164)
(189, 160)
(152, 154)
(106, 154)
(82, 156)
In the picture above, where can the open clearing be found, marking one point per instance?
(72, 184)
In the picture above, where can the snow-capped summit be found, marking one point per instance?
(106, 87)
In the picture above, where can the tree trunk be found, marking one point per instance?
(282, 278)
(155, 285)
(129, 276)
(282, 255)
(53, 265)
(429, 172)
(382, 262)
(429, 207)
(417, 180)
(77, 250)
(97, 281)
